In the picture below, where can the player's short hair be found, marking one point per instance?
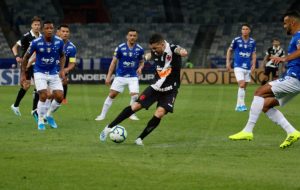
(36, 18)
(156, 38)
(63, 26)
(275, 39)
(247, 25)
(47, 22)
(292, 13)
(131, 30)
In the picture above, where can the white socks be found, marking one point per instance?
(255, 110)
(53, 107)
(241, 97)
(107, 103)
(41, 110)
(133, 98)
(277, 117)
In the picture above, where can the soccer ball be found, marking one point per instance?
(118, 134)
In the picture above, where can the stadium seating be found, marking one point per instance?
(25, 10)
(5, 49)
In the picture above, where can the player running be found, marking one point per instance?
(24, 43)
(49, 53)
(70, 53)
(244, 49)
(129, 61)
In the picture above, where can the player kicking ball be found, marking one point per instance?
(167, 58)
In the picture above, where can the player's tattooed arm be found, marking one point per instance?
(181, 51)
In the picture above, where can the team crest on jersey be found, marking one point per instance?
(169, 58)
(48, 50)
(42, 49)
(245, 46)
(130, 54)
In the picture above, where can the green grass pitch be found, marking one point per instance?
(189, 150)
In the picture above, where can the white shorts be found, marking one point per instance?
(242, 74)
(285, 89)
(120, 83)
(43, 81)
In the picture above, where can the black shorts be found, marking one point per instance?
(164, 99)
(272, 70)
(29, 73)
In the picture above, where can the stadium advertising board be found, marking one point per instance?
(9, 77)
(215, 76)
(188, 76)
(97, 76)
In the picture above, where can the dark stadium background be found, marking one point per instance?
(205, 28)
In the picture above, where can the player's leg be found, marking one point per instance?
(285, 90)
(165, 104)
(65, 87)
(151, 125)
(146, 99)
(240, 77)
(257, 106)
(133, 85)
(117, 87)
(265, 76)
(40, 81)
(56, 87)
(24, 87)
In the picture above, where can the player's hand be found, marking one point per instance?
(183, 52)
(107, 81)
(19, 60)
(277, 60)
(139, 71)
(252, 67)
(147, 56)
(62, 74)
(228, 67)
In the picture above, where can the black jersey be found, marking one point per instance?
(25, 41)
(167, 77)
(272, 51)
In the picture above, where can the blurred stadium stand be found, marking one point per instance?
(205, 28)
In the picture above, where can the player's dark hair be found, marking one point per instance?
(247, 25)
(292, 13)
(131, 30)
(156, 38)
(36, 18)
(47, 22)
(275, 39)
(63, 26)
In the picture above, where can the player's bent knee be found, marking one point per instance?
(136, 106)
(43, 95)
(160, 112)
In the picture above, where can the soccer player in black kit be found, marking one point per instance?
(167, 59)
(24, 43)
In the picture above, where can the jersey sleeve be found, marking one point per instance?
(72, 55)
(254, 47)
(233, 44)
(117, 53)
(141, 56)
(32, 48)
(298, 43)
